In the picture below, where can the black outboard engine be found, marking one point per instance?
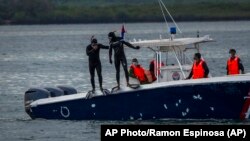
(54, 92)
(34, 94)
(67, 90)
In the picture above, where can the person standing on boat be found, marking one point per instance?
(117, 44)
(93, 51)
(234, 64)
(199, 69)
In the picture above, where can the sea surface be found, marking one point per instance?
(50, 55)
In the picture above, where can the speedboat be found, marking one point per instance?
(171, 96)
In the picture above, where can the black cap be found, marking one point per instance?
(134, 60)
(232, 51)
(111, 34)
(94, 40)
(198, 55)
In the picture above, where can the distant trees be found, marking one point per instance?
(25, 11)
(92, 11)
(7, 9)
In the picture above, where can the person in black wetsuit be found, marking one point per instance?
(117, 43)
(93, 51)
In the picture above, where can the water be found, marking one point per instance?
(49, 55)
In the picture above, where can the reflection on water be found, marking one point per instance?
(49, 55)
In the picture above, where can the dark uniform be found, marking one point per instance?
(95, 62)
(117, 44)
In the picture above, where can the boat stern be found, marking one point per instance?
(34, 94)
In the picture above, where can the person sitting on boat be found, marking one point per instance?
(199, 69)
(152, 67)
(93, 51)
(138, 72)
(117, 44)
(234, 64)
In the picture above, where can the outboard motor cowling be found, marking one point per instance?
(68, 90)
(34, 94)
(54, 92)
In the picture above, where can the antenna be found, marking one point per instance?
(162, 4)
(163, 14)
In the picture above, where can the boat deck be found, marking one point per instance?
(224, 79)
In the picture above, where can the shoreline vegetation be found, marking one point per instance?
(118, 11)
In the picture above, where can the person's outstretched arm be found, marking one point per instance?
(103, 46)
(130, 45)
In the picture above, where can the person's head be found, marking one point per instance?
(94, 42)
(197, 56)
(135, 62)
(232, 52)
(111, 36)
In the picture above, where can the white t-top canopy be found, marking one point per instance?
(169, 43)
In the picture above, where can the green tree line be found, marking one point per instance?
(112, 11)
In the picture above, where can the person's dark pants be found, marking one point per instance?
(118, 61)
(98, 67)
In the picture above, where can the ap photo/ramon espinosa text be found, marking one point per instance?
(229, 132)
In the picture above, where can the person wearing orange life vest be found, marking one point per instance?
(199, 69)
(152, 66)
(136, 71)
(234, 64)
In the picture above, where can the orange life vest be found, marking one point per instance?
(139, 73)
(198, 70)
(233, 66)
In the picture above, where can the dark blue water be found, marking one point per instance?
(49, 55)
